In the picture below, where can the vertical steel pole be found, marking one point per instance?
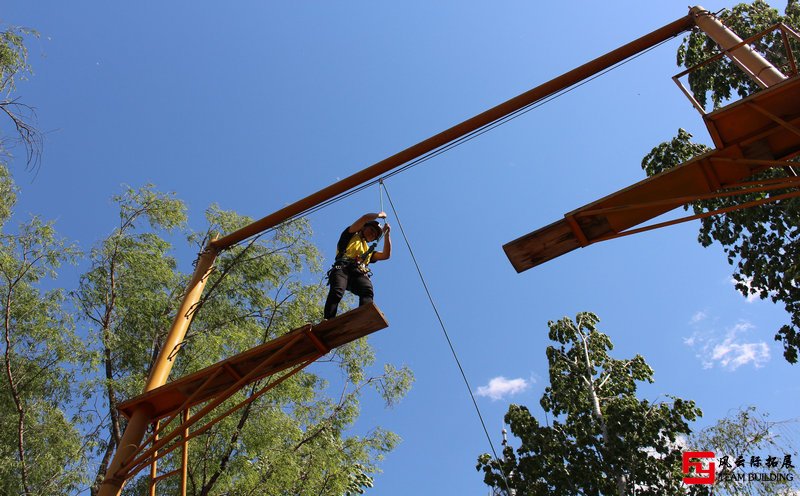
(140, 419)
(757, 67)
(154, 465)
(185, 453)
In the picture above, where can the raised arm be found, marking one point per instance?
(357, 225)
(387, 245)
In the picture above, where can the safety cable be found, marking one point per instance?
(463, 139)
(446, 335)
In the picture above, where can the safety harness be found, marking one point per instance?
(357, 263)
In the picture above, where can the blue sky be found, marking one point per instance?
(253, 105)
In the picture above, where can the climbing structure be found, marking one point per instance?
(210, 387)
(758, 132)
(752, 135)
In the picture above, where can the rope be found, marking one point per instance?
(380, 191)
(446, 335)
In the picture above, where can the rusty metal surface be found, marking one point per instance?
(742, 124)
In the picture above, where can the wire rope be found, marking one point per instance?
(446, 334)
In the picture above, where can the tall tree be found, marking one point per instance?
(751, 435)
(600, 438)
(41, 449)
(763, 242)
(40, 446)
(126, 298)
(14, 66)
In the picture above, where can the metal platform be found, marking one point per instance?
(753, 134)
(293, 348)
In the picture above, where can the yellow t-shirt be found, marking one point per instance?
(352, 246)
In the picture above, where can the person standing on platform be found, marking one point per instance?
(354, 253)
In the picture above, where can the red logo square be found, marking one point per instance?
(701, 474)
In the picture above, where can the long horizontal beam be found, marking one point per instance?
(449, 135)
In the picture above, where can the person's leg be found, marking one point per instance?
(360, 285)
(337, 278)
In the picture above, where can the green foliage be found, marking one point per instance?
(40, 447)
(8, 195)
(762, 242)
(721, 80)
(13, 67)
(293, 440)
(748, 432)
(13, 56)
(600, 439)
(671, 153)
(297, 439)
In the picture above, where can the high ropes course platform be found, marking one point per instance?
(752, 135)
(757, 133)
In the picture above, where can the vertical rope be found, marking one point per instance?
(380, 191)
(447, 337)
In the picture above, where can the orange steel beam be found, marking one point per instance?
(744, 188)
(616, 215)
(459, 130)
(154, 465)
(786, 32)
(732, 208)
(185, 453)
(749, 60)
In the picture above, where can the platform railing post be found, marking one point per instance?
(154, 464)
(140, 418)
(185, 453)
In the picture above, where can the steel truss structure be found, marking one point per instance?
(753, 135)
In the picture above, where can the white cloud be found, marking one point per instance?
(729, 349)
(698, 317)
(733, 355)
(500, 387)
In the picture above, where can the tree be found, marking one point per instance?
(126, 299)
(293, 440)
(750, 434)
(40, 446)
(14, 66)
(763, 242)
(41, 449)
(600, 439)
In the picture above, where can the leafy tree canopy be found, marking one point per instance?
(763, 242)
(599, 437)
